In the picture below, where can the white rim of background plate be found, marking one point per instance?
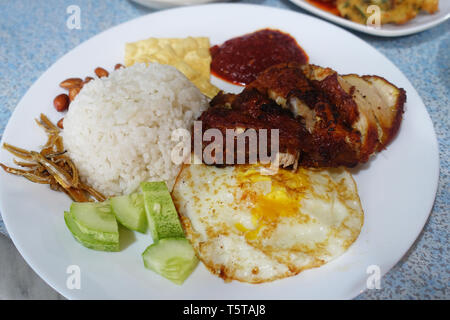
(44, 273)
(363, 28)
(161, 4)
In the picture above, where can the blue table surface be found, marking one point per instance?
(33, 35)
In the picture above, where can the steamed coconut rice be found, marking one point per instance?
(118, 129)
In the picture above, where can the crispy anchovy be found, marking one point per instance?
(30, 175)
(47, 151)
(51, 166)
(59, 145)
(97, 195)
(27, 164)
(58, 156)
(61, 176)
(75, 175)
(18, 152)
(63, 161)
(77, 195)
(47, 125)
(45, 128)
(50, 141)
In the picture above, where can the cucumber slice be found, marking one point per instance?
(162, 216)
(130, 212)
(85, 239)
(173, 258)
(96, 219)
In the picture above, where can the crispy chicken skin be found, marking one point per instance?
(253, 110)
(325, 119)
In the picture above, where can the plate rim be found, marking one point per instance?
(169, 4)
(365, 29)
(66, 293)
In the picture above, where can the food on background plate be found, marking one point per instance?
(324, 119)
(392, 11)
(118, 129)
(256, 228)
(189, 55)
(241, 59)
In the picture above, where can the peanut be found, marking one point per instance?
(118, 66)
(73, 93)
(71, 83)
(87, 79)
(61, 102)
(60, 123)
(100, 72)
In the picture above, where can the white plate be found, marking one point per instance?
(397, 188)
(164, 4)
(422, 22)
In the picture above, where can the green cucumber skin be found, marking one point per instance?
(172, 258)
(85, 239)
(99, 210)
(165, 223)
(97, 235)
(128, 214)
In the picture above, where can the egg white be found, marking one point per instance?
(313, 216)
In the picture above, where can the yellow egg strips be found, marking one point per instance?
(189, 55)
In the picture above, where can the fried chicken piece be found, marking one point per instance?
(349, 117)
(253, 110)
(380, 104)
(329, 142)
(325, 120)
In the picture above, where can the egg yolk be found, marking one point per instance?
(283, 199)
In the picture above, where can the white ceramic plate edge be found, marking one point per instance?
(165, 4)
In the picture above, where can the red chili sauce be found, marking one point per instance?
(240, 60)
(326, 5)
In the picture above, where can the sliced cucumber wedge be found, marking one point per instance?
(173, 258)
(85, 239)
(130, 212)
(162, 216)
(96, 220)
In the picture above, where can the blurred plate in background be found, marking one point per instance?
(422, 22)
(163, 4)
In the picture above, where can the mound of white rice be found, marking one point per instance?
(118, 129)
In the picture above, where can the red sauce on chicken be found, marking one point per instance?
(240, 60)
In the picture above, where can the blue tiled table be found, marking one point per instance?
(33, 36)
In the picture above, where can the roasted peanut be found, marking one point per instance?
(118, 66)
(61, 102)
(73, 93)
(60, 123)
(87, 79)
(71, 83)
(100, 72)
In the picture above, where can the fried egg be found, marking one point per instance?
(252, 227)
